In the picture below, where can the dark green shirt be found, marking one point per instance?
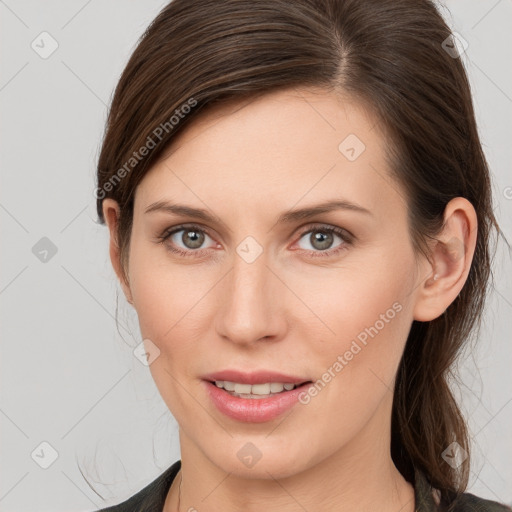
(152, 497)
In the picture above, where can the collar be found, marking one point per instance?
(426, 498)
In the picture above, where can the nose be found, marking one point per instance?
(251, 304)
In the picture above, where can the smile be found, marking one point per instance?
(254, 403)
(255, 391)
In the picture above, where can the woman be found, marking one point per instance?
(300, 213)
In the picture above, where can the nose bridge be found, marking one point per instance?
(248, 306)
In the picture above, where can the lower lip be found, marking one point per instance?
(254, 410)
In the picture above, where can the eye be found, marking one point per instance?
(192, 237)
(322, 237)
(188, 240)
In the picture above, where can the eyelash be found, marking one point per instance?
(346, 237)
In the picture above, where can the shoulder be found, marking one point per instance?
(428, 499)
(468, 502)
(152, 497)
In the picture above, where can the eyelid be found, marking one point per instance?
(187, 225)
(342, 232)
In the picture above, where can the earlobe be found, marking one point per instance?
(451, 256)
(111, 213)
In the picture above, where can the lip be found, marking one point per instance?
(256, 377)
(254, 410)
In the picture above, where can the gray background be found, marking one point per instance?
(68, 377)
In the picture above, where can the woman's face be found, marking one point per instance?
(271, 294)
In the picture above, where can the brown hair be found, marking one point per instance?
(389, 54)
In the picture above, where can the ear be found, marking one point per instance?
(451, 256)
(111, 213)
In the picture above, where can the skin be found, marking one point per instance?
(288, 311)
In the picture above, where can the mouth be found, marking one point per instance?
(257, 391)
(254, 397)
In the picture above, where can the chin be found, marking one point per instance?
(252, 457)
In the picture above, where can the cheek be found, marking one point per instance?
(368, 311)
(163, 292)
(364, 300)
(171, 302)
(168, 306)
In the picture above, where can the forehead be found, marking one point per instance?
(280, 148)
(280, 117)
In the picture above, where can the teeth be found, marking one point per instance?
(276, 387)
(228, 386)
(243, 388)
(255, 389)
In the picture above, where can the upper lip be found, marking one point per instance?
(254, 377)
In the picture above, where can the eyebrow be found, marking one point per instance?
(286, 217)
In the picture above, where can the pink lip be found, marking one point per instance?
(258, 377)
(253, 410)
